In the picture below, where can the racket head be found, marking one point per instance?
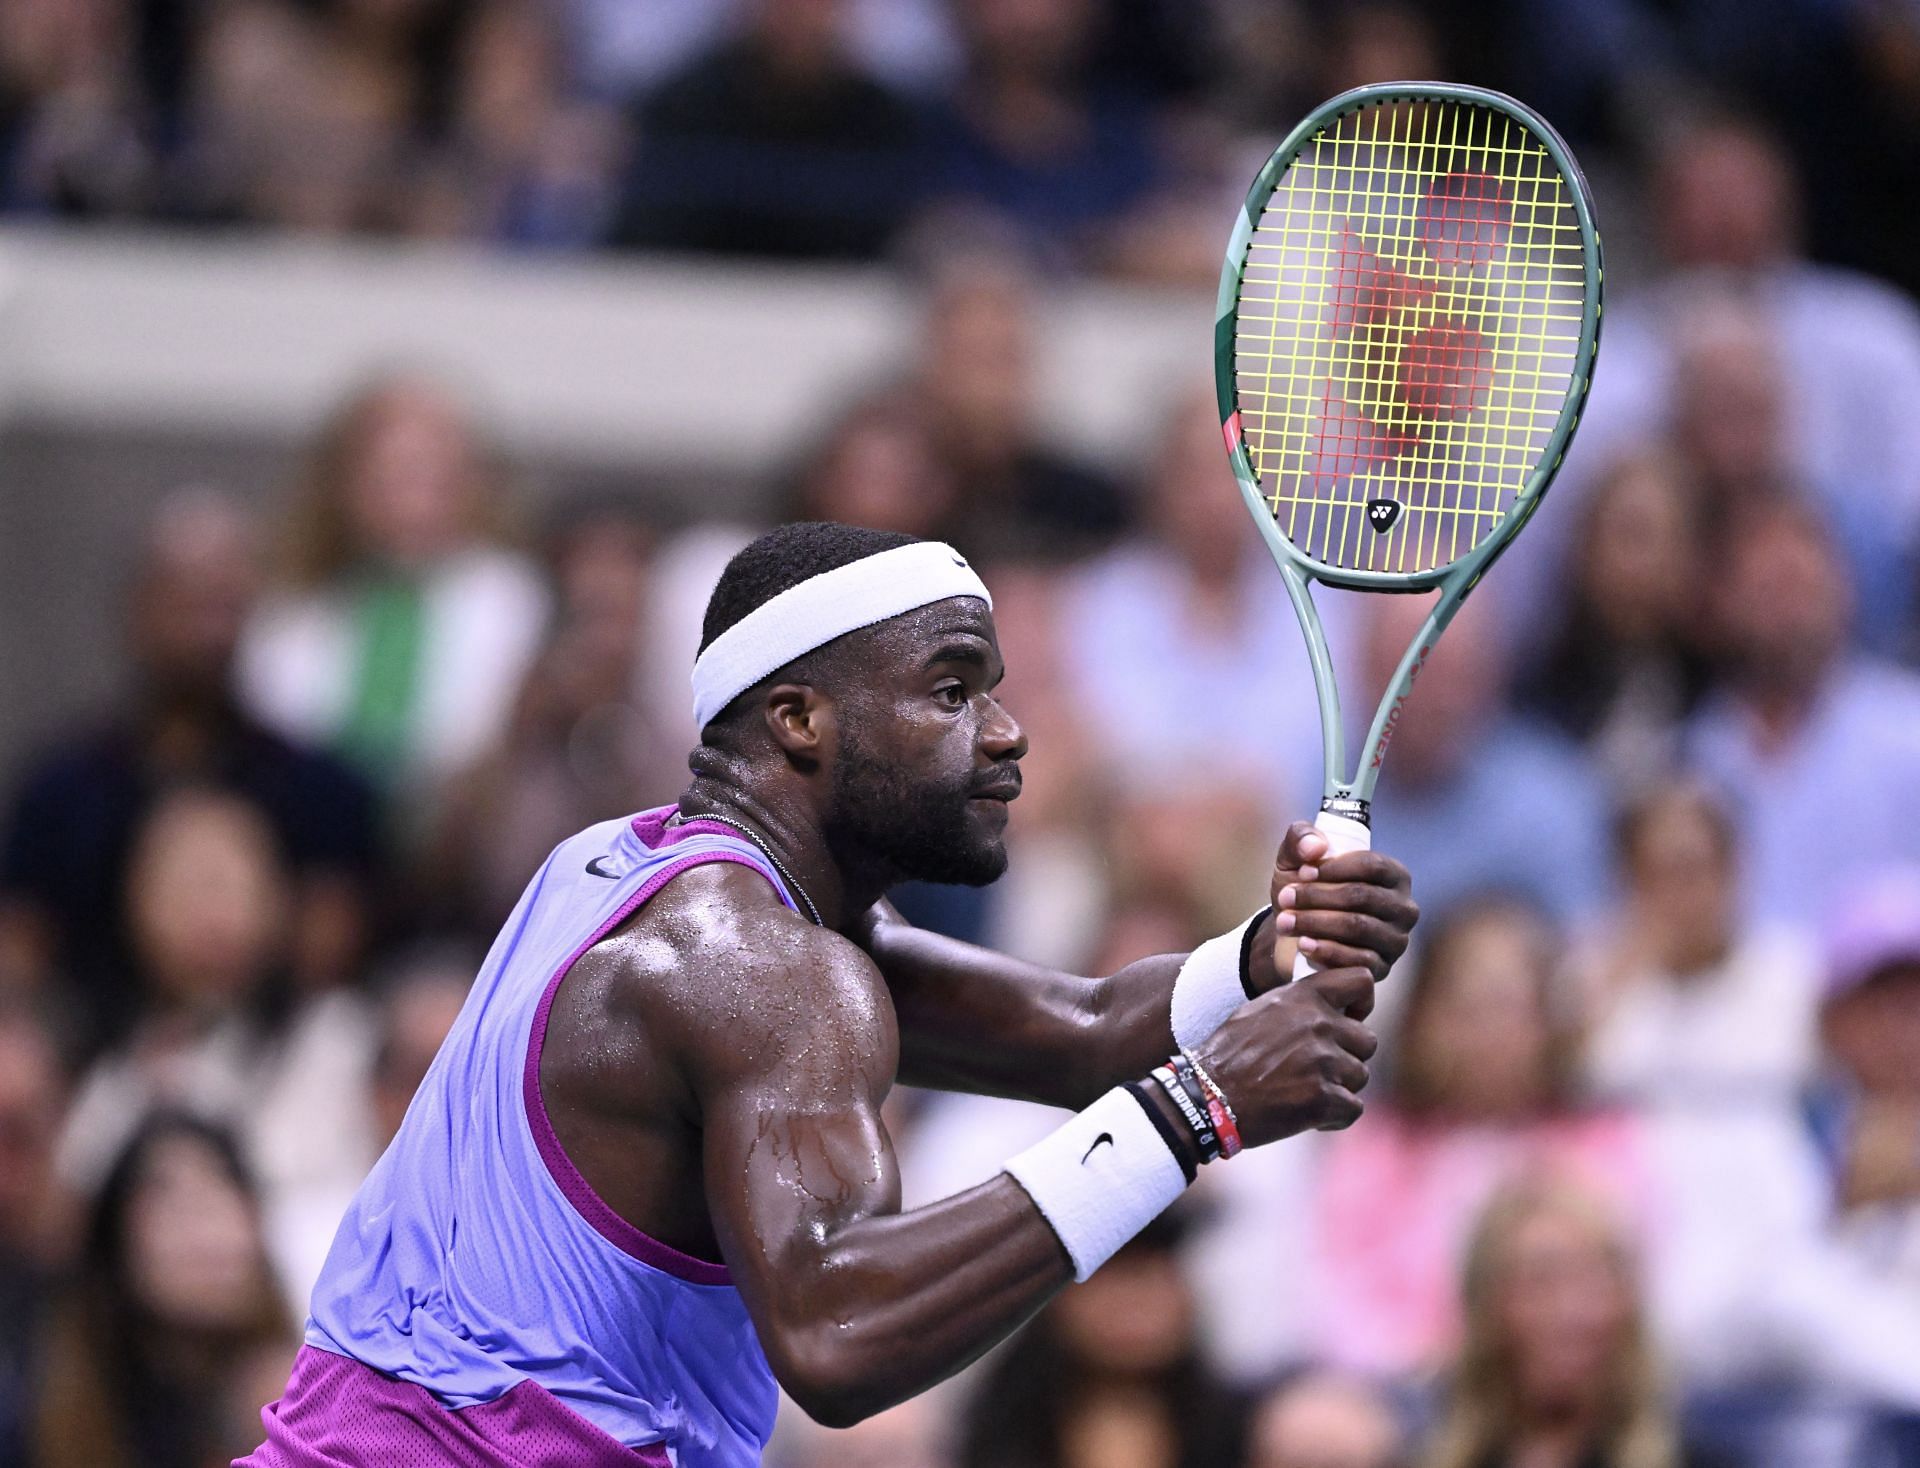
(1408, 317)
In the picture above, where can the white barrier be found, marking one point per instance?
(614, 362)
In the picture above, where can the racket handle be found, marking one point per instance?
(1344, 833)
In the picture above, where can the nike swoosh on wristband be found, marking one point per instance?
(1106, 1137)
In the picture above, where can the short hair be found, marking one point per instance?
(779, 561)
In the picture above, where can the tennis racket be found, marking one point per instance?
(1407, 325)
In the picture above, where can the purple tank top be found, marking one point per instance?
(476, 1265)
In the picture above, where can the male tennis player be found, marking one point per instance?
(646, 1178)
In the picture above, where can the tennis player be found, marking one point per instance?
(646, 1181)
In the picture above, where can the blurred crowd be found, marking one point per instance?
(1096, 134)
(1639, 1183)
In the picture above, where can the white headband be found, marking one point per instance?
(822, 608)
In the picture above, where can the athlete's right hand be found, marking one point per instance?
(1295, 1059)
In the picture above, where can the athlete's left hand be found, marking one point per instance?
(1355, 911)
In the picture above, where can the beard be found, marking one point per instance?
(918, 829)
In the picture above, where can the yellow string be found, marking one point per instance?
(1370, 366)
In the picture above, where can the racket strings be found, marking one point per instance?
(1410, 314)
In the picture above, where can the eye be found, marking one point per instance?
(952, 694)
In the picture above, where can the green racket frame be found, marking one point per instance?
(1351, 795)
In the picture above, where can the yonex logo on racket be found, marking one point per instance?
(1399, 704)
(1381, 514)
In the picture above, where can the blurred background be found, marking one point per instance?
(383, 384)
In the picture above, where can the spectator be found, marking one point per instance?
(581, 744)
(1014, 496)
(1625, 668)
(1684, 959)
(409, 623)
(174, 1300)
(1034, 138)
(282, 128)
(1726, 1203)
(1108, 1376)
(1321, 1419)
(522, 161)
(1482, 1093)
(33, 1087)
(1871, 1115)
(877, 466)
(1473, 796)
(73, 139)
(346, 116)
(1795, 707)
(218, 1034)
(1732, 418)
(1180, 645)
(35, 1230)
(402, 51)
(628, 48)
(1871, 1023)
(776, 143)
(1557, 1368)
(71, 826)
(1378, 41)
(1193, 848)
(1726, 204)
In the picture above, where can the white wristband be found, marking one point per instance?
(1100, 1178)
(1212, 984)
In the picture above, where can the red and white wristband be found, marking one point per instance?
(1226, 1125)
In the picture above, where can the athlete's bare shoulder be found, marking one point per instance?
(714, 975)
(713, 995)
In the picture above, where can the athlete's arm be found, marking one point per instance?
(975, 1020)
(858, 1305)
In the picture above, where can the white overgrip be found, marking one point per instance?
(1343, 834)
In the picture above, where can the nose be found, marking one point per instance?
(1001, 737)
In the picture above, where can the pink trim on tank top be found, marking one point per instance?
(577, 1190)
(654, 832)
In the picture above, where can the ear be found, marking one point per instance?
(800, 719)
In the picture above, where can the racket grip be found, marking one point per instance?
(1344, 833)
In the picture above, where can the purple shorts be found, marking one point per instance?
(339, 1413)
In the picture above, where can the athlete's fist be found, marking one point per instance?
(1295, 1059)
(1351, 910)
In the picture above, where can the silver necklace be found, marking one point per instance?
(766, 851)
